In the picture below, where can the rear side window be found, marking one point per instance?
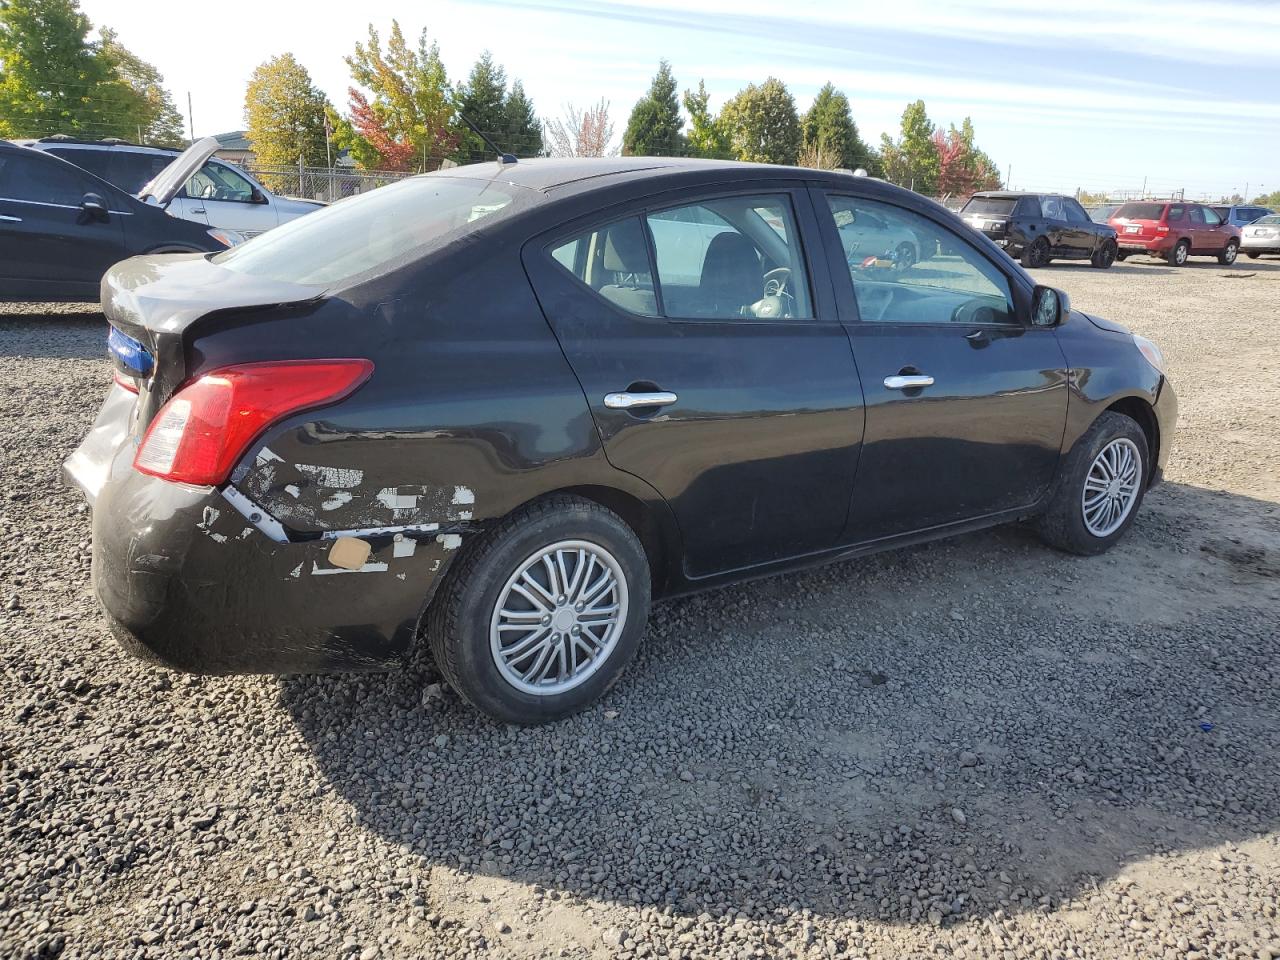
(1140, 211)
(990, 206)
(1196, 215)
(35, 178)
(1051, 208)
(375, 232)
(129, 170)
(1176, 213)
(727, 258)
(613, 260)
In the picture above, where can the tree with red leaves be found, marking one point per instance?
(392, 154)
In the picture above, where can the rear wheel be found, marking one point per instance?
(1228, 255)
(1254, 256)
(1178, 255)
(1036, 253)
(1104, 256)
(1099, 488)
(543, 612)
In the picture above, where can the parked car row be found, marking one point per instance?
(63, 224)
(1038, 228)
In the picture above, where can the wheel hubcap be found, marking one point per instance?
(1111, 487)
(558, 617)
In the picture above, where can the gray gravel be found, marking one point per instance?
(976, 749)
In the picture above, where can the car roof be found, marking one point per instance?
(1014, 194)
(75, 144)
(574, 174)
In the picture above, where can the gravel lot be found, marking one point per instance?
(972, 749)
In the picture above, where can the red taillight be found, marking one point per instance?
(205, 428)
(1161, 228)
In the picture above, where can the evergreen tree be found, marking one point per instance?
(522, 130)
(654, 127)
(828, 129)
(762, 124)
(482, 100)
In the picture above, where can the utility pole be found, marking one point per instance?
(191, 123)
(1144, 185)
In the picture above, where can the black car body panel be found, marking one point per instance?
(52, 248)
(1015, 220)
(490, 365)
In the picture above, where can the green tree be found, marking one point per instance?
(918, 149)
(828, 130)
(156, 119)
(654, 127)
(522, 133)
(285, 113)
(706, 137)
(54, 80)
(482, 100)
(407, 112)
(762, 123)
(1271, 199)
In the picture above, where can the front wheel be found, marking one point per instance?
(1228, 256)
(1099, 488)
(543, 612)
(1104, 256)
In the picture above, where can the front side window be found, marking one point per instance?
(1075, 212)
(214, 181)
(1211, 217)
(730, 258)
(373, 233)
(907, 269)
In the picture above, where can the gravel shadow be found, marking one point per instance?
(950, 730)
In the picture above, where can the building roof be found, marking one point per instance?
(234, 140)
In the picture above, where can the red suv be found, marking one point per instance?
(1174, 230)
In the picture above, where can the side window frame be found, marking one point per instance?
(1020, 286)
(823, 301)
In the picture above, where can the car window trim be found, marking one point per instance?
(847, 301)
(825, 309)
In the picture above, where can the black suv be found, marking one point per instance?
(1037, 227)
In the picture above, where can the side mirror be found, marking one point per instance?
(257, 197)
(1049, 307)
(93, 207)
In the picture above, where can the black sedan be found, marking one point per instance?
(503, 407)
(61, 227)
(1039, 227)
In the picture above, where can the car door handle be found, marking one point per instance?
(197, 209)
(629, 401)
(8, 219)
(901, 382)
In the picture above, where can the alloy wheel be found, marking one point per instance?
(1111, 487)
(1180, 254)
(558, 617)
(1229, 255)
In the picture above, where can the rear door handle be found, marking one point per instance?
(900, 382)
(629, 401)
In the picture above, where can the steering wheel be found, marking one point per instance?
(975, 311)
(775, 282)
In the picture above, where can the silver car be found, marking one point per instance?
(1261, 236)
(219, 194)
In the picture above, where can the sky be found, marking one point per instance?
(1092, 94)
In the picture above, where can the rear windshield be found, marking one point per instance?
(371, 233)
(1141, 211)
(992, 206)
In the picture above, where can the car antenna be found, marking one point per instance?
(503, 158)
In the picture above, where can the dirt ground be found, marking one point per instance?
(978, 748)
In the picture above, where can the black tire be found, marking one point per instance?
(1229, 253)
(1104, 256)
(1253, 256)
(1179, 254)
(1036, 253)
(1121, 256)
(1063, 524)
(457, 625)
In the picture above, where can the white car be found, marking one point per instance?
(219, 194)
(869, 239)
(1261, 236)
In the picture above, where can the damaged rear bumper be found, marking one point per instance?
(203, 583)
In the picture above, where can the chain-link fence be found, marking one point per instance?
(321, 183)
